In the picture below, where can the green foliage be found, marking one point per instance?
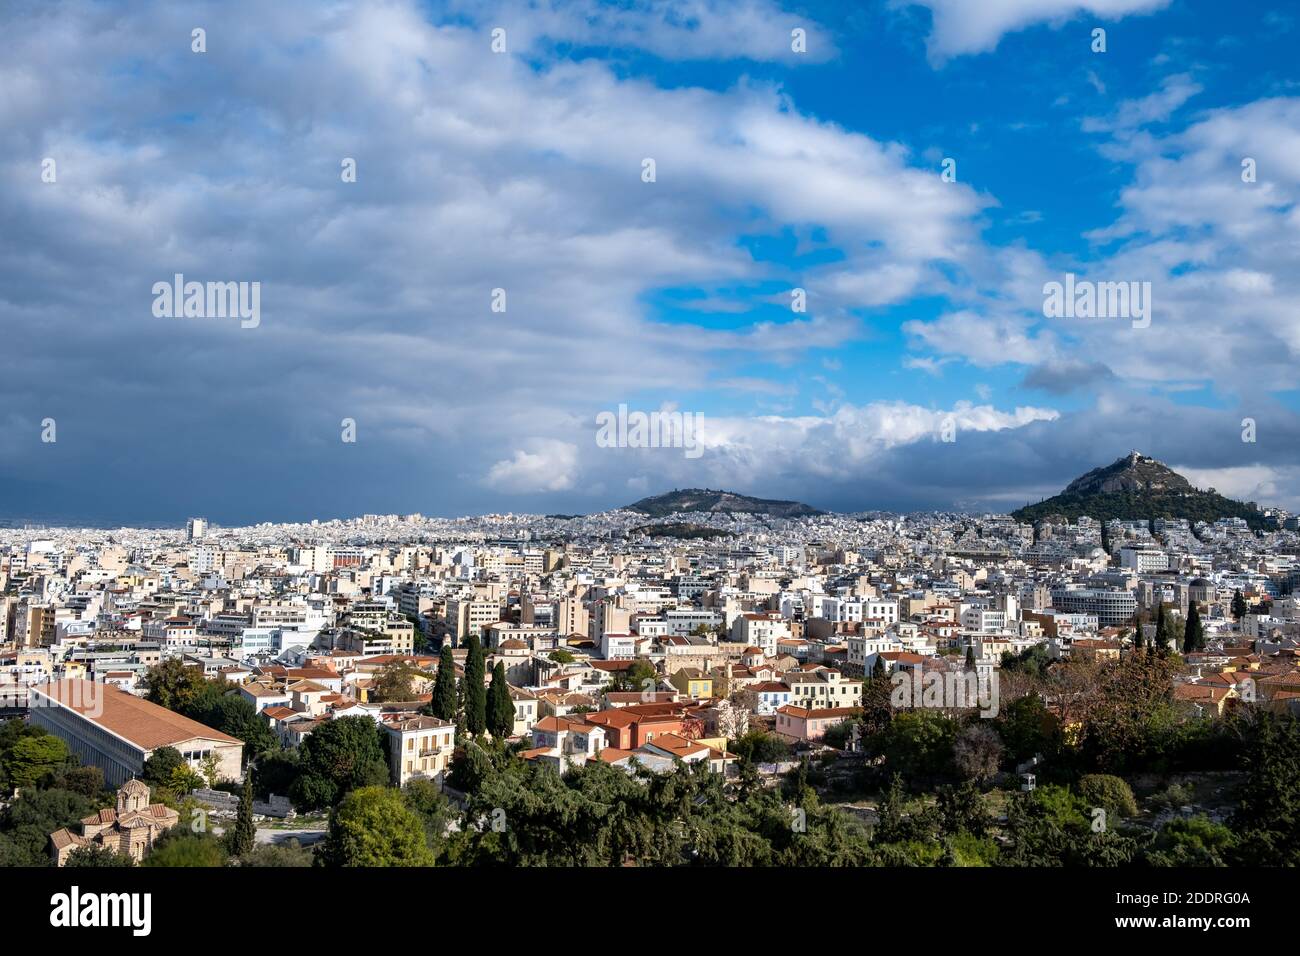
(443, 703)
(1027, 728)
(1126, 506)
(161, 765)
(1052, 826)
(470, 766)
(26, 824)
(561, 656)
(396, 681)
(338, 756)
(1192, 841)
(243, 836)
(434, 810)
(918, 744)
(501, 708)
(374, 826)
(759, 746)
(275, 772)
(98, 856)
(1268, 812)
(1194, 631)
(87, 781)
(1239, 606)
(180, 846)
(474, 688)
(290, 853)
(177, 687)
(34, 757)
(1110, 793)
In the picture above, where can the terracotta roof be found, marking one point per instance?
(146, 725)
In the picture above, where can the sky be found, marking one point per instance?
(920, 169)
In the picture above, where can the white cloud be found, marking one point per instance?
(966, 26)
(549, 466)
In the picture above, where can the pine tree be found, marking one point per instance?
(501, 709)
(475, 691)
(244, 836)
(443, 704)
(1194, 632)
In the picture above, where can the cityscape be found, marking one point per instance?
(867, 689)
(651, 436)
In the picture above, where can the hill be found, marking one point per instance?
(1135, 487)
(718, 502)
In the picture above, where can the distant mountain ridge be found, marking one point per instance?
(679, 501)
(1135, 487)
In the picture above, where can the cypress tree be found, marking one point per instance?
(878, 668)
(443, 704)
(1159, 633)
(1239, 606)
(501, 709)
(244, 836)
(1172, 637)
(475, 691)
(1194, 632)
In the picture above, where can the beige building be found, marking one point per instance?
(419, 747)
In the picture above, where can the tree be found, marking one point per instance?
(100, 856)
(87, 781)
(160, 766)
(501, 708)
(34, 757)
(340, 755)
(640, 676)
(878, 668)
(244, 835)
(1171, 635)
(561, 656)
(1194, 631)
(475, 689)
(1239, 606)
(174, 685)
(1268, 811)
(26, 824)
(977, 751)
(180, 847)
(443, 704)
(290, 853)
(1158, 634)
(233, 715)
(396, 681)
(919, 745)
(433, 809)
(1110, 793)
(185, 779)
(1192, 841)
(374, 826)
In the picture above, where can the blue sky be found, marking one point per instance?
(521, 170)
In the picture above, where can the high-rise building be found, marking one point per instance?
(195, 529)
